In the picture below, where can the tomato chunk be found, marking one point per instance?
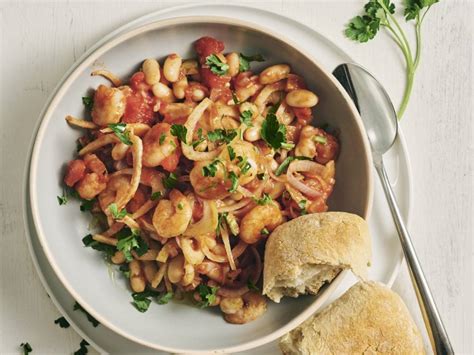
(206, 46)
(212, 80)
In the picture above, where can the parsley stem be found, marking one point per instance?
(407, 92)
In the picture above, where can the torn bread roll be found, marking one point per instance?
(368, 319)
(306, 252)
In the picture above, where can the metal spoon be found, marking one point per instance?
(381, 123)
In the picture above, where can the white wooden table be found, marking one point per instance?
(40, 41)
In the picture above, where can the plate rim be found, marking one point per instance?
(129, 25)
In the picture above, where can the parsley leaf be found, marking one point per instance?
(162, 138)
(113, 209)
(231, 152)
(243, 164)
(179, 131)
(156, 195)
(244, 61)
(62, 200)
(207, 294)
(164, 299)
(211, 169)
(26, 348)
(170, 181)
(264, 231)
(78, 307)
(252, 286)
(413, 8)
(283, 166)
(128, 240)
(88, 102)
(216, 65)
(264, 200)
(108, 250)
(120, 130)
(62, 322)
(272, 131)
(220, 134)
(200, 138)
(320, 139)
(302, 206)
(125, 270)
(235, 181)
(82, 348)
(246, 118)
(87, 205)
(235, 99)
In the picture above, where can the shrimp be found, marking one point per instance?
(89, 176)
(317, 144)
(245, 162)
(117, 187)
(214, 271)
(210, 187)
(258, 219)
(109, 105)
(161, 148)
(252, 305)
(172, 217)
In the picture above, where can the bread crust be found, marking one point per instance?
(369, 318)
(339, 240)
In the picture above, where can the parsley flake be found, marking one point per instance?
(222, 135)
(244, 61)
(216, 65)
(88, 102)
(62, 322)
(231, 152)
(128, 240)
(108, 250)
(179, 131)
(26, 348)
(116, 214)
(246, 118)
(82, 348)
(208, 295)
(156, 195)
(264, 200)
(252, 286)
(162, 138)
(302, 206)
(211, 169)
(320, 139)
(62, 200)
(235, 181)
(272, 131)
(120, 130)
(170, 181)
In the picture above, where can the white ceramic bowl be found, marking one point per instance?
(179, 327)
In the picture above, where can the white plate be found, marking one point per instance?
(387, 252)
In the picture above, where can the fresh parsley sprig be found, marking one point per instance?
(216, 65)
(128, 240)
(246, 118)
(273, 132)
(223, 135)
(244, 61)
(207, 294)
(381, 14)
(179, 131)
(120, 130)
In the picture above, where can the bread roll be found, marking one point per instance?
(306, 252)
(368, 319)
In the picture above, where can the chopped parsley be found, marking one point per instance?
(26, 348)
(82, 348)
(120, 130)
(128, 240)
(211, 169)
(246, 118)
(87, 205)
(88, 102)
(302, 206)
(179, 131)
(170, 181)
(156, 195)
(223, 135)
(252, 286)
(221, 217)
(62, 200)
(283, 166)
(261, 176)
(264, 200)
(116, 214)
(235, 181)
(231, 152)
(287, 146)
(243, 164)
(200, 138)
(162, 138)
(125, 270)
(180, 206)
(78, 307)
(264, 231)
(272, 131)
(244, 61)
(320, 139)
(108, 250)
(216, 65)
(235, 99)
(142, 301)
(62, 322)
(208, 295)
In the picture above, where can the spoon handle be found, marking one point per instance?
(436, 331)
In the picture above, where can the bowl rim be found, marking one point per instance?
(79, 67)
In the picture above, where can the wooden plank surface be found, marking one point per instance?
(39, 41)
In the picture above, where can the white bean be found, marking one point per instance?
(151, 69)
(301, 98)
(171, 68)
(190, 67)
(137, 279)
(233, 60)
(176, 269)
(163, 92)
(180, 86)
(274, 73)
